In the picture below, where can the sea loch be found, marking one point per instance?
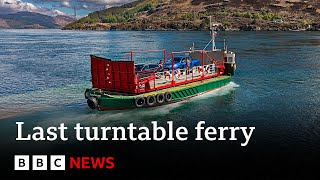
(275, 89)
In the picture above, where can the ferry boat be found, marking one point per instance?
(122, 84)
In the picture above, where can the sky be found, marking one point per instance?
(58, 7)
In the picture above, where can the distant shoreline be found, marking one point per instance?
(228, 30)
(234, 30)
(102, 26)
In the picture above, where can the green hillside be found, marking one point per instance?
(193, 15)
(120, 14)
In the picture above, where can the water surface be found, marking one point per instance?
(276, 87)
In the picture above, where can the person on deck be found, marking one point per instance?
(160, 65)
(188, 66)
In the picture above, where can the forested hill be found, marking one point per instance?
(192, 15)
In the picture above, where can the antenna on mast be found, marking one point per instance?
(225, 48)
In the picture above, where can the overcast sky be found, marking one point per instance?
(58, 7)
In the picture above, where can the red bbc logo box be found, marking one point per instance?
(39, 162)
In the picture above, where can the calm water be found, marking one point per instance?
(276, 87)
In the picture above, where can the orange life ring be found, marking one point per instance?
(177, 73)
(167, 76)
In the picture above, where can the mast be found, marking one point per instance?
(213, 27)
(213, 33)
(75, 12)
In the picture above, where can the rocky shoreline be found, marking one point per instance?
(191, 27)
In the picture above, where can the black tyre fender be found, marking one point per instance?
(92, 102)
(140, 102)
(87, 93)
(151, 100)
(160, 98)
(168, 96)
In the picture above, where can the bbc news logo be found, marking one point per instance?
(39, 162)
(58, 162)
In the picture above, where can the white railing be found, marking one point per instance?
(181, 74)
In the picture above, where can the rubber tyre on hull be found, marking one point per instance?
(151, 100)
(168, 96)
(87, 94)
(160, 98)
(140, 102)
(92, 102)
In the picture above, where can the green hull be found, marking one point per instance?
(102, 101)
